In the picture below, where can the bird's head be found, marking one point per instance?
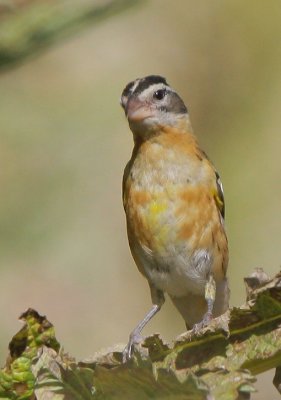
(151, 104)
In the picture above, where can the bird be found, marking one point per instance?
(174, 205)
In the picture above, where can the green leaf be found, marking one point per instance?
(220, 362)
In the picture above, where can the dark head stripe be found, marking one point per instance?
(127, 91)
(143, 84)
(148, 81)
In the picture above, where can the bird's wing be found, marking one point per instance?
(219, 197)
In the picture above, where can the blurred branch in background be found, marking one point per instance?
(29, 27)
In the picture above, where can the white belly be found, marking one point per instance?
(178, 273)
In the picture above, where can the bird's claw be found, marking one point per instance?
(134, 339)
(202, 324)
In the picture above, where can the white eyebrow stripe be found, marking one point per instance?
(153, 88)
(137, 81)
(124, 98)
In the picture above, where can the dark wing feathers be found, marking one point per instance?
(220, 197)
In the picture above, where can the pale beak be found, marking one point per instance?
(136, 110)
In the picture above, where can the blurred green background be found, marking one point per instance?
(64, 143)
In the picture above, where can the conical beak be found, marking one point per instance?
(136, 110)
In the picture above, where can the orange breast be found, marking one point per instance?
(169, 198)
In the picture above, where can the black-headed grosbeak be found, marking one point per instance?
(174, 205)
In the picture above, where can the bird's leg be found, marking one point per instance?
(134, 338)
(210, 295)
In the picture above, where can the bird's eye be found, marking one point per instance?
(159, 94)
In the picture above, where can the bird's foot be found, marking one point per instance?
(202, 324)
(134, 339)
